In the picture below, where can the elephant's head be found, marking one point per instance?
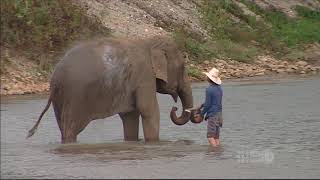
(169, 67)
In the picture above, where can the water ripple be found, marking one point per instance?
(271, 129)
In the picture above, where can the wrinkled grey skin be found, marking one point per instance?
(109, 76)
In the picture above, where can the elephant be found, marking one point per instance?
(99, 78)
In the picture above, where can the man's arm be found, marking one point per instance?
(206, 105)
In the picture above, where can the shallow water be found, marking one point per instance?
(271, 130)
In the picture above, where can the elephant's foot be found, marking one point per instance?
(128, 138)
(131, 133)
(150, 130)
(67, 141)
(150, 127)
(130, 123)
(70, 139)
(151, 139)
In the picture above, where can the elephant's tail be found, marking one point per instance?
(34, 128)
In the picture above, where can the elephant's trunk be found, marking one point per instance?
(193, 112)
(187, 102)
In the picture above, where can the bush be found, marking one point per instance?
(43, 27)
(215, 18)
(244, 38)
(293, 32)
(194, 72)
(196, 50)
(230, 39)
(308, 13)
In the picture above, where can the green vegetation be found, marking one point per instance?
(38, 27)
(196, 49)
(194, 72)
(43, 29)
(226, 41)
(293, 32)
(241, 37)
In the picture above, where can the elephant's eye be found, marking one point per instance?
(166, 54)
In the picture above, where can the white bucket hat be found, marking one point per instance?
(213, 74)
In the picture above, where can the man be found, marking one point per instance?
(212, 107)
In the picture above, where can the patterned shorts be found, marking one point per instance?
(213, 125)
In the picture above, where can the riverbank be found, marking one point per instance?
(23, 76)
(239, 30)
(262, 66)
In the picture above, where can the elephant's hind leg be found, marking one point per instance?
(130, 123)
(68, 126)
(73, 128)
(68, 138)
(69, 135)
(64, 122)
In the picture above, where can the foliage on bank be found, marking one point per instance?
(239, 36)
(37, 27)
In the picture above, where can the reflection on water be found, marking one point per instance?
(132, 150)
(271, 129)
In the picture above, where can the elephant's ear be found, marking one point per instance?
(159, 63)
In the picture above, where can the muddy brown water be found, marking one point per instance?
(271, 130)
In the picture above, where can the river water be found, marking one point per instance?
(271, 130)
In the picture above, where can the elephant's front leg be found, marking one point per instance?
(130, 123)
(149, 109)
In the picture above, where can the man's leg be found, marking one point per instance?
(217, 141)
(217, 135)
(212, 133)
(212, 142)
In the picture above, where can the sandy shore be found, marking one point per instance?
(25, 80)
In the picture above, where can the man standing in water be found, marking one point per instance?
(212, 107)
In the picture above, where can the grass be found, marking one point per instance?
(224, 39)
(196, 50)
(194, 72)
(5, 59)
(39, 28)
(244, 39)
(42, 29)
(293, 32)
(221, 48)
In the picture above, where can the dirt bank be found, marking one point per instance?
(139, 18)
(22, 76)
(263, 66)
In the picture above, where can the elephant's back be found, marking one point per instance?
(98, 71)
(92, 61)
